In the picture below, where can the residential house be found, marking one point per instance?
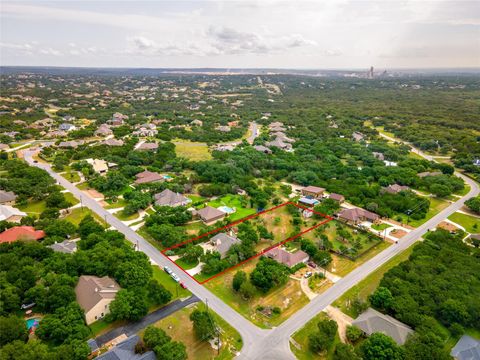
(169, 198)
(232, 123)
(70, 144)
(428, 173)
(94, 295)
(279, 144)
(100, 166)
(309, 201)
(224, 147)
(314, 192)
(4, 147)
(196, 122)
(113, 142)
(395, 189)
(467, 348)
(66, 247)
(11, 214)
(7, 197)
(285, 257)
(147, 177)
(378, 155)
(476, 162)
(371, 321)
(210, 215)
(125, 350)
(357, 136)
(263, 149)
(68, 118)
(67, 127)
(145, 132)
(337, 197)
(146, 146)
(223, 242)
(103, 130)
(21, 233)
(223, 128)
(357, 215)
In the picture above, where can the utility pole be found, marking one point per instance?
(81, 202)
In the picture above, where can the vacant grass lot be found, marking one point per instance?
(77, 215)
(300, 338)
(369, 284)
(289, 297)
(436, 205)
(163, 278)
(192, 150)
(34, 207)
(180, 328)
(470, 223)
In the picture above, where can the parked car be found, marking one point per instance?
(312, 264)
(175, 277)
(183, 285)
(167, 270)
(27, 306)
(307, 274)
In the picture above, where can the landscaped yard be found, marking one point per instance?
(180, 328)
(35, 207)
(120, 203)
(71, 176)
(470, 223)
(368, 284)
(77, 215)
(70, 198)
(380, 227)
(121, 216)
(289, 297)
(192, 150)
(234, 201)
(299, 345)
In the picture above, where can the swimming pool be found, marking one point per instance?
(167, 177)
(32, 323)
(227, 209)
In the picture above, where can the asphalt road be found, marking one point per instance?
(260, 343)
(153, 317)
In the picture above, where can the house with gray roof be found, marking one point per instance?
(66, 247)
(169, 198)
(223, 242)
(210, 215)
(126, 351)
(372, 321)
(467, 348)
(7, 197)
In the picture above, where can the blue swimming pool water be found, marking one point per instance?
(226, 209)
(31, 323)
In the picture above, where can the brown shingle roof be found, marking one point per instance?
(209, 213)
(90, 290)
(287, 258)
(147, 177)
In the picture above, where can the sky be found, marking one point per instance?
(323, 34)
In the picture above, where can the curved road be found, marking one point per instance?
(259, 343)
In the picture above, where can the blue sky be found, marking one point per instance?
(293, 34)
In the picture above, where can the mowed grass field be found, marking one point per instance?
(233, 201)
(289, 297)
(192, 151)
(470, 223)
(180, 328)
(368, 284)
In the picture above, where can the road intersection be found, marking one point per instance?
(260, 343)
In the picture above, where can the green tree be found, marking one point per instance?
(353, 333)
(192, 253)
(345, 352)
(381, 347)
(173, 350)
(203, 325)
(12, 328)
(157, 293)
(381, 299)
(238, 279)
(154, 336)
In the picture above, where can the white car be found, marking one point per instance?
(175, 277)
(307, 274)
(167, 270)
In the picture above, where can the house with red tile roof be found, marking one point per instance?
(21, 233)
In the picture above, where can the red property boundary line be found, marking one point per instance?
(326, 217)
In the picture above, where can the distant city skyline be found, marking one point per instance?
(248, 34)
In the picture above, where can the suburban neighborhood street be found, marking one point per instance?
(259, 343)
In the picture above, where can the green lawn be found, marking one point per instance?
(71, 176)
(120, 203)
(186, 265)
(470, 223)
(70, 198)
(233, 201)
(163, 278)
(302, 352)
(381, 226)
(34, 207)
(368, 284)
(436, 205)
(77, 215)
(121, 216)
(196, 198)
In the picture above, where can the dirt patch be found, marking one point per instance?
(93, 194)
(398, 233)
(447, 226)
